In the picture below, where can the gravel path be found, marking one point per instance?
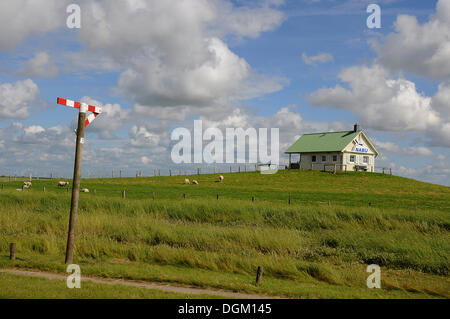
(141, 284)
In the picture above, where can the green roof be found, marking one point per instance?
(322, 142)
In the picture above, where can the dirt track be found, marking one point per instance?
(141, 284)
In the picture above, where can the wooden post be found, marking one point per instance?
(390, 171)
(120, 173)
(123, 194)
(170, 172)
(329, 203)
(30, 177)
(153, 195)
(12, 251)
(198, 171)
(184, 196)
(289, 200)
(253, 198)
(259, 274)
(76, 184)
(217, 197)
(43, 189)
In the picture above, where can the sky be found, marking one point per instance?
(302, 66)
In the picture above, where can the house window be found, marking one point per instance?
(324, 158)
(352, 158)
(366, 159)
(313, 158)
(334, 158)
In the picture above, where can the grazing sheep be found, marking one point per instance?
(19, 189)
(194, 182)
(186, 181)
(26, 184)
(85, 190)
(62, 184)
(221, 178)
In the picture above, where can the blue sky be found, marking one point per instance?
(303, 66)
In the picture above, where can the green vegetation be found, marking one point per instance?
(17, 286)
(308, 249)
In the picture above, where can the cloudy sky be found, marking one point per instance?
(300, 65)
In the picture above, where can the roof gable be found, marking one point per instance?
(323, 142)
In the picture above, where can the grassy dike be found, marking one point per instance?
(308, 249)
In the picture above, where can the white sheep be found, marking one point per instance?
(221, 178)
(85, 190)
(62, 184)
(186, 181)
(194, 182)
(27, 184)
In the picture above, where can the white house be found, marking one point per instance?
(346, 150)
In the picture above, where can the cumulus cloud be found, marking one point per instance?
(174, 53)
(112, 118)
(20, 18)
(388, 103)
(315, 59)
(16, 99)
(391, 147)
(423, 49)
(41, 65)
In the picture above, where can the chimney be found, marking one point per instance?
(356, 128)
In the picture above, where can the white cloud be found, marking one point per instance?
(112, 118)
(20, 18)
(386, 103)
(391, 147)
(41, 65)
(315, 59)
(420, 49)
(15, 99)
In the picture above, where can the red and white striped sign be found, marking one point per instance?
(83, 106)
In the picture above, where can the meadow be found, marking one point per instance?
(313, 232)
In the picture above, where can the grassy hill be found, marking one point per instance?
(318, 246)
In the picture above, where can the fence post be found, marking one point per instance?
(217, 197)
(120, 173)
(170, 172)
(198, 171)
(390, 171)
(259, 274)
(12, 251)
(184, 196)
(289, 200)
(153, 195)
(253, 198)
(123, 194)
(159, 172)
(43, 189)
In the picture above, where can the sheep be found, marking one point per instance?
(62, 184)
(26, 184)
(221, 178)
(85, 190)
(186, 181)
(194, 182)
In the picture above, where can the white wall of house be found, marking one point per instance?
(355, 153)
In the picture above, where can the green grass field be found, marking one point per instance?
(308, 249)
